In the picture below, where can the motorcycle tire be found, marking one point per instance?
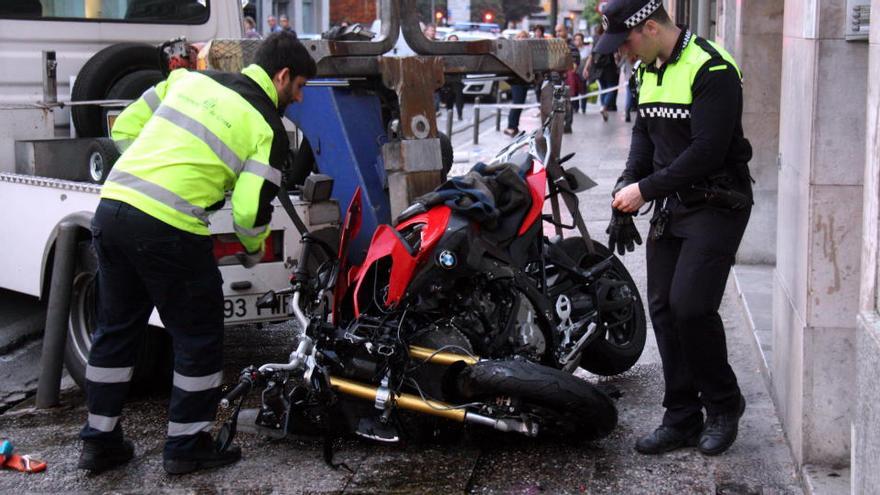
(609, 355)
(566, 406)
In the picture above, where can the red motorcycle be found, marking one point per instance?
(465, 310)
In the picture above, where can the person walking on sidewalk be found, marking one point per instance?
(689, 156)
(188, 141)
(518, 92)
(453, 90)
(603, 68)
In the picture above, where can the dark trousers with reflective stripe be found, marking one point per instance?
(687, 273)
(142, 263)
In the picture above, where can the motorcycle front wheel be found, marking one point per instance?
(564, 405)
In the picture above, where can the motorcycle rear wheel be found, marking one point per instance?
(611, 354)
(565, 406)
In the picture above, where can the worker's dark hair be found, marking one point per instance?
(659, 16)
(283, 49)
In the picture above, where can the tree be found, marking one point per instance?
(590, 14)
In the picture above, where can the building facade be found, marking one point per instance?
(811, 113)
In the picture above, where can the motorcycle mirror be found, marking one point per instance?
(579, 181)
(267, 300)
(566, 158)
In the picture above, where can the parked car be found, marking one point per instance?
(484, 86)
(484, 27)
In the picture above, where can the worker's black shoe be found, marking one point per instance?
(667, 438)
(720, 431)
(206, 455)
(101, 456)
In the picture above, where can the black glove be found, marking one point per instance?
(620, 184)
(622, 232)
(248, 259)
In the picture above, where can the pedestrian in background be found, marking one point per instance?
(273, 24)
(285, 24)
(571, 78)
(603, 68)
(453, 91)
(250, 28)
(539, 34)
(585, 48)
(518, 93)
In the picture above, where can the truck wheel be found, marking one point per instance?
(152, 372)
(98, 76)
(130, 87)
(102, 154)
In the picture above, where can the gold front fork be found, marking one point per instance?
(409, 401)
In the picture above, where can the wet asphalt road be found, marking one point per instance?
(758, 463)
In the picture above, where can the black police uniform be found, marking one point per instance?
(690, 157)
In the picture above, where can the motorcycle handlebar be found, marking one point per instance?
(243, 387)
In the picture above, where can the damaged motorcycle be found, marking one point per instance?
(466, 312)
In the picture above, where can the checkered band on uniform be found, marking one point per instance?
(642, 14)
(665, 113)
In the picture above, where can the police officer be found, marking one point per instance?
(688, 155)
(187, 141)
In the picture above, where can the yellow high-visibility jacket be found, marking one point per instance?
(195, 136)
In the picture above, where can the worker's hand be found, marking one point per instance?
(629, 199)
(249, 260)
(622, 233)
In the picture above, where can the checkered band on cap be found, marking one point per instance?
(665, 113)
(642, 14)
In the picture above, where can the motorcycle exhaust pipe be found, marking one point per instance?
(434, 408)
(432, 356)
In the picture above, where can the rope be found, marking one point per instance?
(524, 106)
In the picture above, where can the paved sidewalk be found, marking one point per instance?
(759, 463)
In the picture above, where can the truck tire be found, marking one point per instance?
(98, 76)
(131, 87)
(152, 372)
(566, 406)
(102, 154)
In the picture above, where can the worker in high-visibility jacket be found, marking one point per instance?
(187, 142)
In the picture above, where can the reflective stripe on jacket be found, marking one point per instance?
(192, 138)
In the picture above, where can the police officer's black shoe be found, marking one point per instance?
(667, 438)
(206, 455)
(101, 456)
(720, 431)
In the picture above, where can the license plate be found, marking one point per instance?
(240, 309)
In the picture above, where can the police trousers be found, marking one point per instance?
(145, 263)
(687, 270)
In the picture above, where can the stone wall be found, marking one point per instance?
(819, 229)
(752, 31)
(865, 432)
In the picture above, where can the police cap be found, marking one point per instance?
(619, 16)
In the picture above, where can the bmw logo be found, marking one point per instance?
(447, 259)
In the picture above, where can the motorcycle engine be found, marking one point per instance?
(527, 337)
(499, 320)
